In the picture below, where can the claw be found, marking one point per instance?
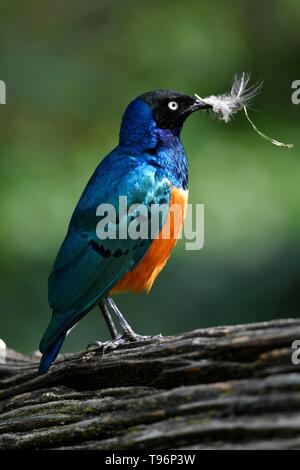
(94, 345)
(140, 338)
(114, 344)
(109, 346)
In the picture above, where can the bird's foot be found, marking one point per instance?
(108, 346)
(135, 338)
(94, 345)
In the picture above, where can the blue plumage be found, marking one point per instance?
(148, 159)
(50, 355)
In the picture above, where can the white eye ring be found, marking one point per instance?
(173, 105)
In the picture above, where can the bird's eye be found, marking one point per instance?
(173, 105)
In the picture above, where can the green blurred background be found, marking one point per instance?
(70, 69)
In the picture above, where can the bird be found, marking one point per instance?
(148, 166)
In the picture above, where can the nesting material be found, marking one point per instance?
(240, 96)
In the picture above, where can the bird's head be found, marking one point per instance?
(158, 109)
(171, 108)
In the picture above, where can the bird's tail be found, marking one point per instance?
(50, 354)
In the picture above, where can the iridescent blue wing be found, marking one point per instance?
(86, 268)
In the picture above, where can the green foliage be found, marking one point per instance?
(70, 69)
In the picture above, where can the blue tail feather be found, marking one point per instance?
(50, 355)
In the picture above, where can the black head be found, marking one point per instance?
(171, 108)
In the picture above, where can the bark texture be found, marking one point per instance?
(229, 387)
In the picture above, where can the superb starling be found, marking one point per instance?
(149, 166)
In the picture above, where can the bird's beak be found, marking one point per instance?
(198, 105)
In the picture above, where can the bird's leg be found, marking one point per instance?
(127, 330)
(107, 317)
(128, 333)
(110, 325)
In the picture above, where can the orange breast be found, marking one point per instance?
(143, 276)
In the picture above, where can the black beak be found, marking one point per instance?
(198, 105)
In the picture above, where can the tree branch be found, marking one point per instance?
(226, 387)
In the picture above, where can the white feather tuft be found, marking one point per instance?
(224, 106)
(239, 98)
